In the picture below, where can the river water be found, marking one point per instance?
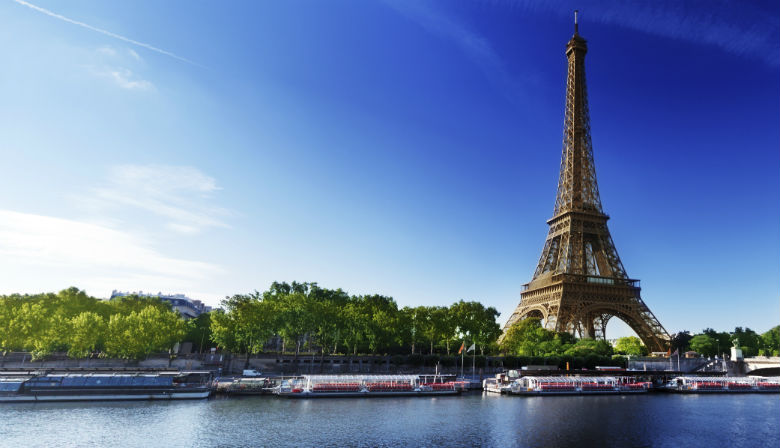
(474, 419)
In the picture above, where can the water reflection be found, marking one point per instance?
(472, 420)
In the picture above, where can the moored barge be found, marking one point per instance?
(98, 387)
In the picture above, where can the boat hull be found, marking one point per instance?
(179, 395)
(410, 393)
(726, 391)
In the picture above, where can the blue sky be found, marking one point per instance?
(404, 148)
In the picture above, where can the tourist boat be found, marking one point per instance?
(501, 383)
(577, 385)
(243, 386)
(320, 386)
(699, 384)
(99, 387)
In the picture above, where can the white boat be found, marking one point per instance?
(324, 386)
(723, 384)
(577, 385)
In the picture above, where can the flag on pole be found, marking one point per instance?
(462, 346)
(470, 348)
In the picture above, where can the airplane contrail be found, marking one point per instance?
(102, 31)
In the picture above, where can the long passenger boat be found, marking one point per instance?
(323, 386)
(98, 387)
(577, 385)
(699, 384)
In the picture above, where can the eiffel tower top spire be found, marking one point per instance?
(575, 21)
(578, 190)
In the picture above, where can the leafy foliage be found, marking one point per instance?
(631, 345)
(72, 321)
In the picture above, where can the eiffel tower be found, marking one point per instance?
(580, 282)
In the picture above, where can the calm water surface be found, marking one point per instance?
(655, 420)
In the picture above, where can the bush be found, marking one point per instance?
(592, 360)
(510, 362)
(415, 359)
(431, 360)
(619, 361)
(564, 359)
(552, 361)
(397, 359)
(523, 361)
(447, 361)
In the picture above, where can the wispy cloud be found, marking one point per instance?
(134, 55)
(110, 64)
(124, 79)
(180, 195)
(473, 44)
(38, 251)
(105, 32)
(744, 28)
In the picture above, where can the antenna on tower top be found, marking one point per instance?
(575, 21)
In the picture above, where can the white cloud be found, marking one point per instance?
(40, 252)
(133, 54)
(180, 195)
(111, 64)
(124, 78)
(106, 50)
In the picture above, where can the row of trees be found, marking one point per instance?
(73, 322)
(306, 316)
(296, 316)
(710, 342)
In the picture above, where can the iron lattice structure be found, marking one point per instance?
(580, 282)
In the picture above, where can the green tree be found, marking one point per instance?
(199, 332)
(476, 323)
(444, 325)
(703, 344)
(526, 338)
(681, 341)
(749, 341)
(722, 340)
(87, 331)
(588, 346)
(631, 345)
(140, 333)
(771, 342)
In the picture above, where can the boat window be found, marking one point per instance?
(73, 381)
(9, 386)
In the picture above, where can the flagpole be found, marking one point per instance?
(473, 362)
(462, 358)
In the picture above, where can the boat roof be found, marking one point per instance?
(362, 377)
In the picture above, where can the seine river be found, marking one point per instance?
(655, 420)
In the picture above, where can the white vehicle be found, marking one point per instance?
(252, 372)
